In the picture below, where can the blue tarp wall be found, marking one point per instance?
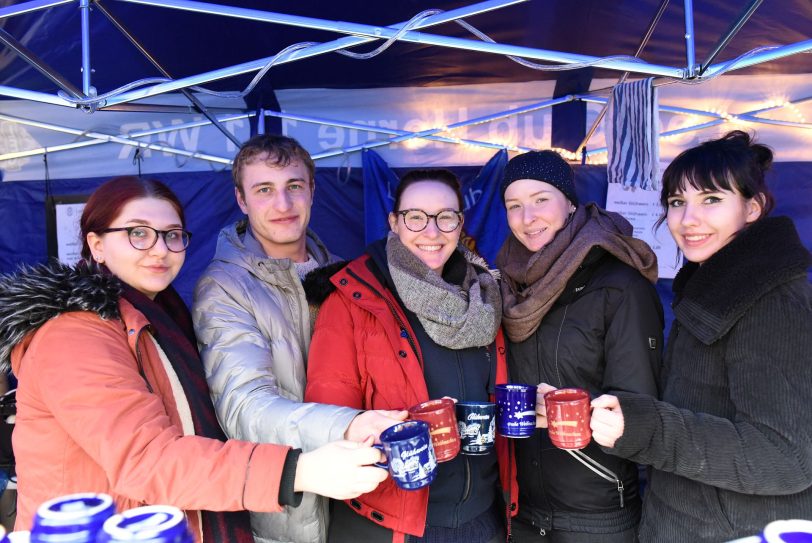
(350, 208)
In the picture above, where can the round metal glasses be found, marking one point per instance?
(416, 220)
(144, 238)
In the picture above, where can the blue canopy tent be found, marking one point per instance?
(94, 89)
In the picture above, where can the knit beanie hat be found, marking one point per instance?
(546, 166)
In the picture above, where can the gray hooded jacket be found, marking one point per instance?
(253, 328)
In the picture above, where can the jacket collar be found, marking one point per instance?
(237, 245)
(711, 298)
(361, 287)
(35, 294)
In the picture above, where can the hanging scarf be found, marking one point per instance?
(532, 282)
(454, 316)
(171, 326)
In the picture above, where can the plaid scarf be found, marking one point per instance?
(171, 326)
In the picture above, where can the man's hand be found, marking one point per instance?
(340, 470)
(372, 423)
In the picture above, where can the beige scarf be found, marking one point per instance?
(532, 282)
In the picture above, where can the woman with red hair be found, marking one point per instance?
(112, 396)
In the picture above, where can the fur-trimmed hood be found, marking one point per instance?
(35, 294)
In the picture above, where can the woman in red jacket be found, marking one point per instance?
(112, 396)
(416, 318)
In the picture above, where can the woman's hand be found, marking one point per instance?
(541, 410)
(340, 470)
(607, 420)
(372, 423)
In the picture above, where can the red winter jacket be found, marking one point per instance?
(359, 358)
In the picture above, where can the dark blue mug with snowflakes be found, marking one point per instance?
(516, 410)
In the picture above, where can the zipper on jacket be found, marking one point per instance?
(557, 342)
(393, 310)
(600, 470)
(467, 493)
(138, 359)
(467, 488)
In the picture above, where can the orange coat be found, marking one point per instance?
(87, 421)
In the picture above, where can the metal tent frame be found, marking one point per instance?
(354, 34)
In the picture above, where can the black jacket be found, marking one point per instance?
(603, 334)
(731, 440)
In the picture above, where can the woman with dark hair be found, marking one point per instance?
(580, 310)
(112, 397)
(416, 318)
(730, 441)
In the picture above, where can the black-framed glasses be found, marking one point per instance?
(417, 220)
(144, 238)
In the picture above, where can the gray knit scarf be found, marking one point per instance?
(532, 282)
(456, 317)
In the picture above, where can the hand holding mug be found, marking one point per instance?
(541, 410)
(340, 470)
(607, 420)
(372, 423)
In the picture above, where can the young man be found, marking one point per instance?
(253, 324)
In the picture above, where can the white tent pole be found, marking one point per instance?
(763, 56)
(34, 96)
(37, 63)
(429, 134)
(84, 6)
(104, 138)
(28, 7)
(131, 135)
(323, 48)
(667, 109)
(643, 42)
(690, 53)
(731, 32)
(379, 32)
(470, 122)
(749, 116)
(342, 43)
(375, 32)
(152, 60)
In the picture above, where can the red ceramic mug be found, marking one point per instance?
(442, 421)
(568, 412)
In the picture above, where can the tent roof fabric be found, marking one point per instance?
(187, 43)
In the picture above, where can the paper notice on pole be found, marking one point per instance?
(68, 236)
(642, 209)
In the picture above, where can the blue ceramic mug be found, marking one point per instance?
(476, 422)
(147, 524)
(516, 410)
(75, 518)
(409, 454)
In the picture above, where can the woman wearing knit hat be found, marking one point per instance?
(580, 310)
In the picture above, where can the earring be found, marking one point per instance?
(99, 259)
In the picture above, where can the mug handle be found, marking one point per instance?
(384, 465)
